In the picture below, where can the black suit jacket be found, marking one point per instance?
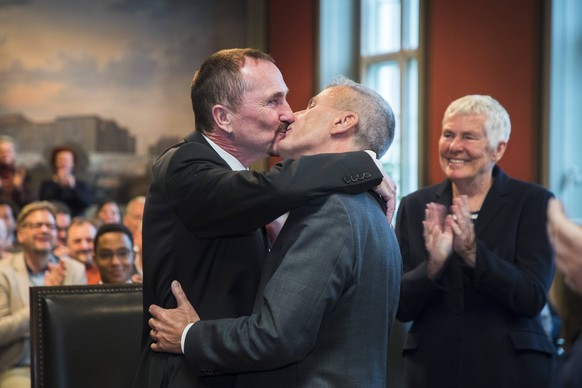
(203, 226)
(479, 327)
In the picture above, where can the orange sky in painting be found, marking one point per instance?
(125, 60)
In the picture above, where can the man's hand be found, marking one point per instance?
(566, 239)
(168, 324)
(64, 178)
(387, 191)
(55, 274)
(19, 177)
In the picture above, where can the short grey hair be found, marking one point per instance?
(376, 125)
(33, 207)
(9, 139)
(497, 125)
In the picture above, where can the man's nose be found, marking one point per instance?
(287, 115)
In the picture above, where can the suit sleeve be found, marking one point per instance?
(76, 273)
(14, 323)
(307, 283)
(240, 202)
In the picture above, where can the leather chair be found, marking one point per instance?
(85, 336)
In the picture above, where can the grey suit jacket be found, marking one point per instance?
(202, 226)
(327, 301)
(14, 306)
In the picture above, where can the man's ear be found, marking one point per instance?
(346, 121)
(222, 118)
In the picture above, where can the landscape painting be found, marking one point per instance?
(109, 77)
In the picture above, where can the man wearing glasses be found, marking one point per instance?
(114, 255)
(35, 265)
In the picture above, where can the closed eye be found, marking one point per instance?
(311, 103)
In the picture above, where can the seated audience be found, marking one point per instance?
(36, 265)
(3, 239)
(137, 249)
(80, 244)
(64, 185)
(566, 238)
(134, 213)
(14, 182)
(63, 214)
(133, 219)
(108, 212)
(114, 254)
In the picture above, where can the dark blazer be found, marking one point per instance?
(568, 371)
(326, 313)
(203, 227)
(78, 198)
(479, 327)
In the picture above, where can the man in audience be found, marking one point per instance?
(14, 182)
(133, 218)
(334, 273)
(114, 254)
(80, 240)
(3, 240)
(36, 265)
(63, 214)
(9, 212)
(133, 215)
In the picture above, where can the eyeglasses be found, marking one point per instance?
(38, 225)
(122, 254)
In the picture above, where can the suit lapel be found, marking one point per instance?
(19, 267)
(444, 194)
(495, 201)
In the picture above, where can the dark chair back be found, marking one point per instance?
(85, 336)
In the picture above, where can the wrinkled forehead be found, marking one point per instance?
(263, 75)
(39, 215)
(333, 96)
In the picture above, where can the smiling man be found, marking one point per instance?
(114, 255)
(80, 244)
(36, 265)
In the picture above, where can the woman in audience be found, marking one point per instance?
(477, 263)
(64, 186)
(108, 212)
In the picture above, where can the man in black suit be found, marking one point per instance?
(203, 220)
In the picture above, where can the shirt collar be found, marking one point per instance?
(233, 162)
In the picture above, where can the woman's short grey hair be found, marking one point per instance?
(497, 125)
(376, 125)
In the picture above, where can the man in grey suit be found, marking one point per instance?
(330, 286)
